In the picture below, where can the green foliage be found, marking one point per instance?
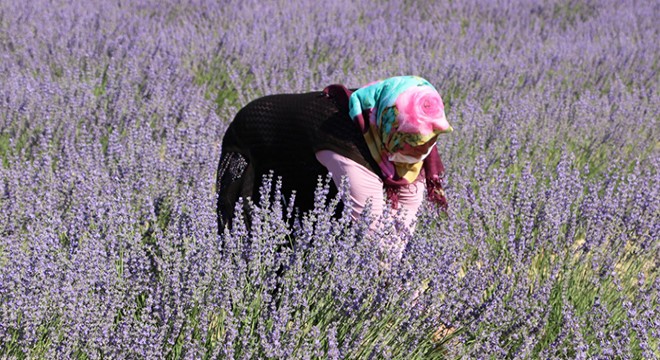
(218, 77)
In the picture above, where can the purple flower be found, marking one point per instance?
(111, 120)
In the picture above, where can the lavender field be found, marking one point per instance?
(111, 118)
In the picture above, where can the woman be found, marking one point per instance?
(380, 137)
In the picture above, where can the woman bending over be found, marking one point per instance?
(380, 137)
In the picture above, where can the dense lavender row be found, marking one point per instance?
(111, 115)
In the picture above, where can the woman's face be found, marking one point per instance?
(413, 154)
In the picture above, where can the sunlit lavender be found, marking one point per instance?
(111, 118)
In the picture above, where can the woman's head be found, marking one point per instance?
(400, 117)
(403, 110)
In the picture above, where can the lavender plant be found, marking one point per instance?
(111, 116)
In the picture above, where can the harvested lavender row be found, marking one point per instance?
(111, 117)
